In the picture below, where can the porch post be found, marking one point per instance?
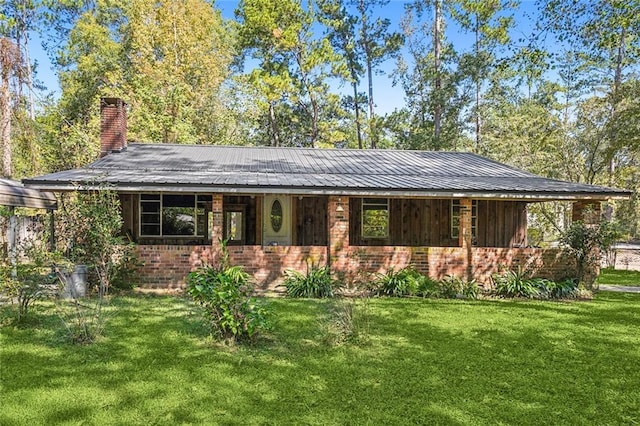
(587, 211)
(465, 236)
(338, 233)
(216, 226)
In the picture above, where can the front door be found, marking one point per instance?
(277, 220)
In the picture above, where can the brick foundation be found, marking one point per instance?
(167, 266)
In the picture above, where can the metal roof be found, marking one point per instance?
(14, 194)
(229, 169)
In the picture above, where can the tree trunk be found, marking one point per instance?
(275, 136)
(5, 118)
(437, 35)
(477, 79)
(356, 106)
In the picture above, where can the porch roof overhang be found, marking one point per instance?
(251, 170)
(14, 194)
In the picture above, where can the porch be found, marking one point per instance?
(356, 236)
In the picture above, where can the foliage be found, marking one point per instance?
(89, 232)
(586, 243)
(403, 282)
(224, 293)
(34, 275)
(428, 287)
(33, 282)
(565, 289)
(451, 286)
(515, 283)
(317, 282)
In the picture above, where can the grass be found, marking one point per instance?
(622, 277)
(423, 362)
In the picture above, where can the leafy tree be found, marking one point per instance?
(292, 72)
(431, 82)
(377, 44)
(490, 27)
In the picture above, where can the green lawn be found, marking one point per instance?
(422, 362)
(619, 277)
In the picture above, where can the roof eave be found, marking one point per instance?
(392, 193)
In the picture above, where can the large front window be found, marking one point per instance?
(163, 215)
(375, 218)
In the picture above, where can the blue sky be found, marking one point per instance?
(386, 96)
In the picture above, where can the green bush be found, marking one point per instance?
(515, 284)
(316, 282)
(470, 289)
(559, 289)
(403, 282)
(428, 287)
(451, 286)
(224, 293)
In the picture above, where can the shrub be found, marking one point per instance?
(316, 282)
(428, 287)
(470, 289)
(586, 242)
(451, 286)
(224, 293)
(403, 282)
(560, 289)
(515, 284)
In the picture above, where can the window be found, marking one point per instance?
(173, 215)
(375, 218)
(455, 218)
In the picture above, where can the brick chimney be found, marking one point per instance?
(113, 125)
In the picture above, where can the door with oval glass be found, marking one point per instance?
(277, 220)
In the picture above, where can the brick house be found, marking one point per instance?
(360, 211)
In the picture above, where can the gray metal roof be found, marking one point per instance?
(14, 194)
(228, 169)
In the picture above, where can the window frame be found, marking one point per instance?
(369, 202)
(199, 203)
(454, 214)
(235, 208)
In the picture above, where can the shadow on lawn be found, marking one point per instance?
(426, 361)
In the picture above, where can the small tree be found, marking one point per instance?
(225, 294)
(90, 226)
(586, 243)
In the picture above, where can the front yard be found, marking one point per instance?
(416, 361)
(619, 277)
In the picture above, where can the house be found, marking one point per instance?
(360, 211)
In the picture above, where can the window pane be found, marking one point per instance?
(146, 197)
(178, 200)
(150, 229)
(178, 221)
(150, 207)
(375, 217)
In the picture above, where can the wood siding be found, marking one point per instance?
(310, 221)
(427, 222)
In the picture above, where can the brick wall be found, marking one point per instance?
(167, 266)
